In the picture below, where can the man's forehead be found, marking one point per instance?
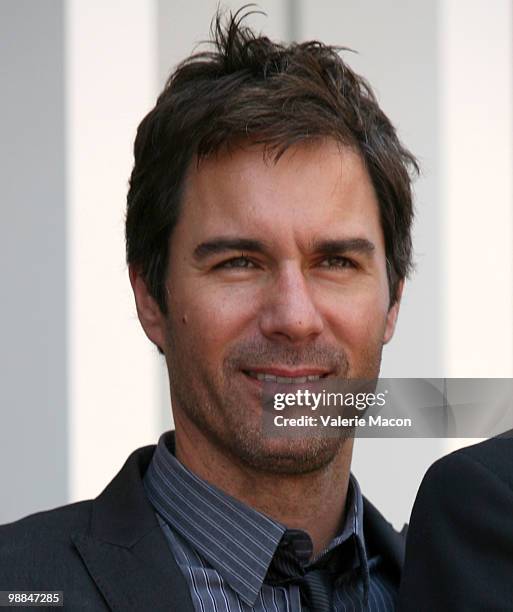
(313, 194)
(246, 155)
(245, 176)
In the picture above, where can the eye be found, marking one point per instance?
(337, 261)
(236, 262)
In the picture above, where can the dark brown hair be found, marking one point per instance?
(275, 95)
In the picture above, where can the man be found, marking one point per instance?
(459, 554)
(268, 237)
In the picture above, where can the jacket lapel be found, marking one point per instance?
(125, 550)
(381, 537)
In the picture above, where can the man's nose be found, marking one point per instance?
(289, 311)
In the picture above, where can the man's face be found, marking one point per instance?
(278, 270)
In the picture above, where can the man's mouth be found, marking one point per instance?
(300, 377)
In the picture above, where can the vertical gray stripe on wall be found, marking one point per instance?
(33, 371)
(293, 20)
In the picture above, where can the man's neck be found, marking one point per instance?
(314, 501)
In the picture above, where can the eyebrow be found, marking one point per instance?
(343, 245)
(329, 247)
(222, 245)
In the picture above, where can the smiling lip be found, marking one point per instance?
(274, 374)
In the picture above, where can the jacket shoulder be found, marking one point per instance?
(56, 522)
(492, 458)
(36, 549)
(494, 455)
(459, 552)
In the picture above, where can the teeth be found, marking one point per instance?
(283, 379)
(288, 379)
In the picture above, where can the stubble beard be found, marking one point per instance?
(216, 405)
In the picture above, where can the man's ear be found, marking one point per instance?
(149, 313)
(393, 313)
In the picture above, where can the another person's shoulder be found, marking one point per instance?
(492, 459)
(494, 455)
(459, 487)
(459, 550)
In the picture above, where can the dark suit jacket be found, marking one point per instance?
(110, 553)
(459, 553)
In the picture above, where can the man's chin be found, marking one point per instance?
(288, 455)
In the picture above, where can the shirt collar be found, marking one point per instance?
(236, 540)
(353, 524)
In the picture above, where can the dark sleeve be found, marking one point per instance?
(459, 551)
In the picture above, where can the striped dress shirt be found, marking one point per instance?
(224, 547)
